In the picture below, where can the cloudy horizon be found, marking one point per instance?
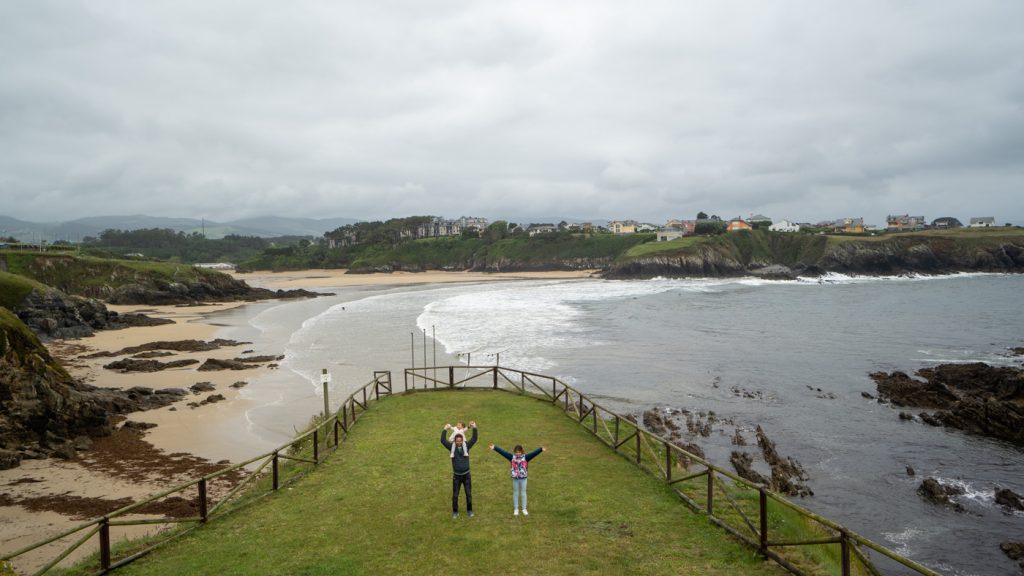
(794, 109)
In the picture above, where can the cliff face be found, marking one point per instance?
(42, 408)
(776, 255)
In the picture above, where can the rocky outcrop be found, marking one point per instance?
(1014, 551)
(136, 365)
(775, 255)
(938, 493)
(53, 314)
(1009, 499)
(43, 410)
(176, 345)
(976, 397)
(787, 474)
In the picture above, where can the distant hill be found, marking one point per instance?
(74, 230)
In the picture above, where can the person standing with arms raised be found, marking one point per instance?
(459, 449)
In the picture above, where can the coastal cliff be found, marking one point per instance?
(778, 255)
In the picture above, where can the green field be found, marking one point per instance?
(381, 505)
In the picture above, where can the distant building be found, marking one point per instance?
(756, 219)
(946, 222)
(983, 222)
(580, 227)
(536, 229)
(216, 265)
(472, 223)
(623, 226)
(646, 227)
(737, 224)
(438, 227)
(849, 225)
(784, 226)
(903, 223)
(686, 226)
(668, 234)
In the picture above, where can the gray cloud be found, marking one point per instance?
(801, 110)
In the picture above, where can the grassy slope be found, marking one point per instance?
(382, 506)
(14, 289)
(791, 248)
(79, 274)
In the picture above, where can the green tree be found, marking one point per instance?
(702, 216)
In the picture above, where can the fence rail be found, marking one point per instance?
(751, 513)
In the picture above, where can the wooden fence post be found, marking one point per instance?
(335, 431)
(276, 484)
(668, 462)
(202, 500)
(316, 445)
(451, 377)
(764, 521)
(495, 377)
(711, 491)
(105, 543)
(638, 452)
(844, 552)
(616, 432)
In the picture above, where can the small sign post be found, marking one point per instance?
(325, 379)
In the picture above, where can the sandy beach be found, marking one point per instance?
(34, 498)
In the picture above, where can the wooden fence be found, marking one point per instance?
(750, 512)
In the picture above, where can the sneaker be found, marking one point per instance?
(455, 514)
(515, 512)
(525, 513)
(470, 513)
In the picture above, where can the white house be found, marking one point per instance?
(983, 222)
(669, 234)
(784, 226)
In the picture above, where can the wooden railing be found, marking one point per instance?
(310, 447)
(750, 512)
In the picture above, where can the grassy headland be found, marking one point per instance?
(382, 506)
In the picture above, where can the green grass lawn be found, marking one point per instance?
(381, 505)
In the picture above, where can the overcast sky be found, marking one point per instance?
(805, 110)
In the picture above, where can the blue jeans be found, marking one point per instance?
(517, 485)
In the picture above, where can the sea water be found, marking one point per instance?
(790, 356)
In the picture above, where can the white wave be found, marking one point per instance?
(901, 540)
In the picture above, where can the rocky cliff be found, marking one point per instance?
(790, 255)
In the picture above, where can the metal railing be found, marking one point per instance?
(752, 513)
(295, 450)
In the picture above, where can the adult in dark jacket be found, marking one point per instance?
(460, 467)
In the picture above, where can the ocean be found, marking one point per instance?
(790, 356)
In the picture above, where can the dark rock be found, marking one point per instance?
(259, 359)
(738, 439)
(787, 474)
(929, 419)
(65, 451)
(212, 398)
(867, 395)
(134, 365)
(202, 387)
(140, 391)
(133, 425)
(1018, 351)
(171, 391)
(910, 471)
(51, 313)
(225, 364)
(152, 354)
(175, 345)
(9, 459)
(654, 422)
(906, 416)
(82, 443)
(937, 493)
(1015, 550)
(743, 463)
(976, 398)
(240, 384)
(1010, 499)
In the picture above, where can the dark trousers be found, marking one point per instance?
(457, 482)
